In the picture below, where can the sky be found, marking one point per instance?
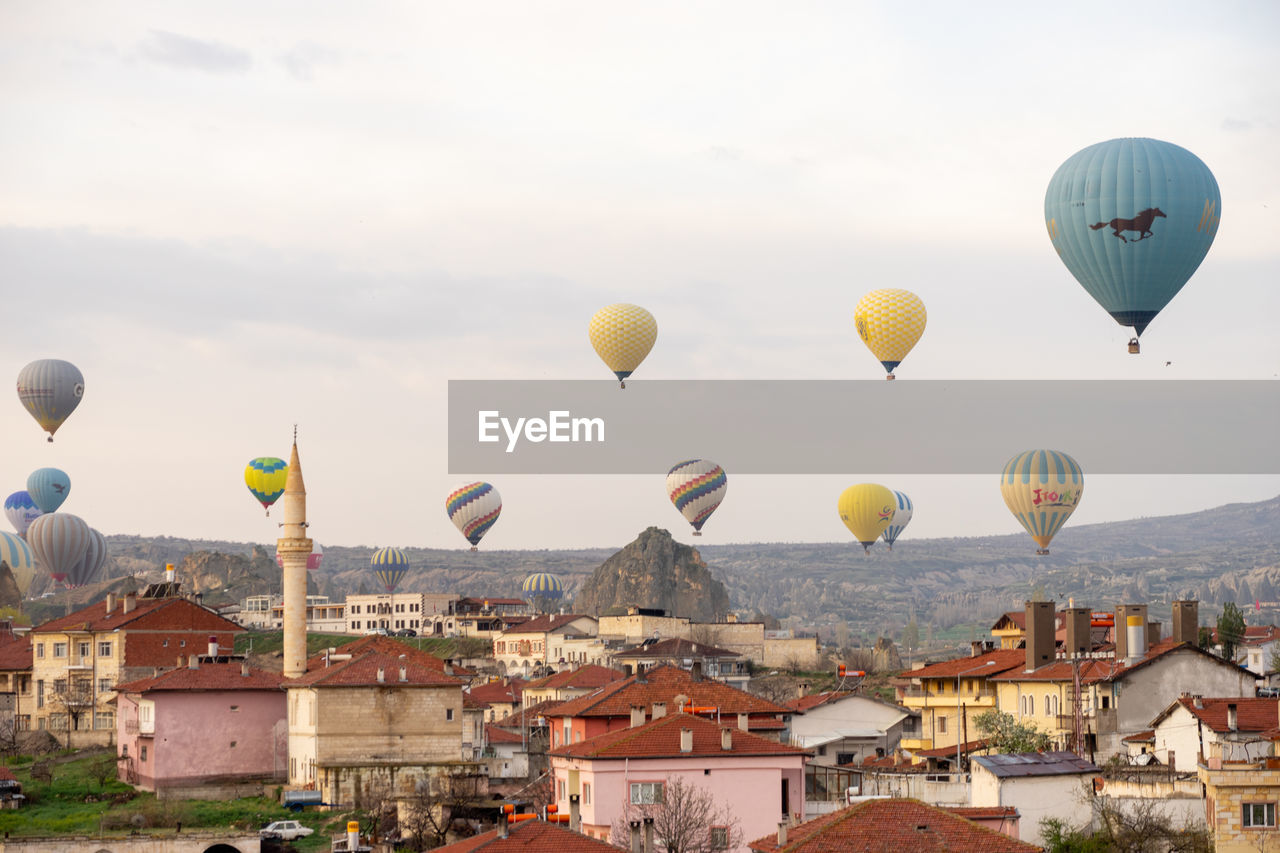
(236, 217)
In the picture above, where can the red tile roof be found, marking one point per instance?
(546, 623)
(1095, 670)
(984, 665)
(664, 684)
(549, 708)
(15, 655)
(676, 647)
(390, 647)
(362, 671)
(496, 691)
(210, 676)
(813, 700)
(1252, 714)
(979, 812)
(530, 836)
(950, 751)
(589, 676)
(661, 739)
(892, 826)
(1141, 737)
(496, 734)
(152, 614)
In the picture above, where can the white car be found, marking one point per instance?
(286, 830)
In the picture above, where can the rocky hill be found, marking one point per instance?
(655, 571)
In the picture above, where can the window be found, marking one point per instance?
(59, 650)
(104, 650)
(39, 650)
(104, 684)
(560, 788)
(942, 725)
(646, 793)
(586, 793)
(720, 838)
(83, 648)
(103, 720)
(124, 750)
(1259, 814)
(40, 695)
(448, 713)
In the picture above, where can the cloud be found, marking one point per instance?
(724, 153)
(304, 58)
(185, 52)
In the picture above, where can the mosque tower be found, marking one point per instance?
(293, 548)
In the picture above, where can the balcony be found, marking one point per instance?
(80, 663)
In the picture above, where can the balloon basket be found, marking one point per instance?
(890, 377)
(474, 549)
(1134, 347)
(1042, 552)
(621, 384)
(697, 533)
(50, 439)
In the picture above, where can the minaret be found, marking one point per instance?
(293, 548)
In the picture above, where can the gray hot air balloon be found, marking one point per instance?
(59, 541)
(50, 389)
(86, 571)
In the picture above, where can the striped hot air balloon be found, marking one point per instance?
(901, 518)
(59, 541)
(390, 565)
(86, 571)
(543, 584)
(265, 477)
(50, 389)
(17, 555)
(696, 487)
(473, 509)
(1042, 488)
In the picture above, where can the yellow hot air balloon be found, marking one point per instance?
(622, 335)
(867, 509)
(1042, 488)
(265, 477)
(890, 321)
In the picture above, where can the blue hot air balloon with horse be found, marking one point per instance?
(1132, 219)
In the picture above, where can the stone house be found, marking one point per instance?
(569, 684)
(1240, 803)
(17, 698)
(1194, 729)
(527, 647)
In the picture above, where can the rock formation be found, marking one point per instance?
(657, 572)
(886, 657)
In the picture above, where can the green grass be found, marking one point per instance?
(271, 642)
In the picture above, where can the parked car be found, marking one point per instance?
(285, 830)
(406, 632)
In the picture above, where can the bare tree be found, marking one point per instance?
(377, 805)
(776, 688)
(1141, 827)
(75, 699)
(427, 817)
(688, 819)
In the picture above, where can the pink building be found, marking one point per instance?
(756, 779)
(203, 726)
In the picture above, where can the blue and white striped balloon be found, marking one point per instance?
(901, 518)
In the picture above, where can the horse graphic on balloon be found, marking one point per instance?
(1140, 223)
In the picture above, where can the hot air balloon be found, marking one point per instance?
(866, 509)
(265, 478)
(21, 510)
(1042, 488)
(86, 571)
(622, 335)
(890, 321)
(1132, 219)
(901, 518)
(313, 559)
(543, 584)
(473, 509)
(390, 565)
(59, 541)
(50, 389)
(48, 488)
(697, 487)
(17, 555)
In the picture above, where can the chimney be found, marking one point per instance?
(744, 722)
(648, 835)
(353, 835)
(193, 662)
(169, 572)
(686, 740)
(659, 710)
(111, 602)
(975, 648)
(640, 679)
(637, 716)
(1135, 631)
(1079, 633)
(1040, 646)
(244, 668)
(575, 813)
(382, 676)
(726, 739)
(782, 834)
(731, 618)
(507, 811)
(635, 837)
(1186, 622)
(1233, 720)
(1123, 612)
(696, 670)
(1198, 701)
(1153, 633)
(130, 602)
(404, 674)
(213, 646)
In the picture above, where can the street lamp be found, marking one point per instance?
(959, 710)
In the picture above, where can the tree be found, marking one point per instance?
(911, 636)
(427, 817)
(75, 699)
(377, 808)
(687, 820)
(1142, 827)
(1005, 734)
(1230, 630)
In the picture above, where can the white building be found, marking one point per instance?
(398, 611)
(1038, 784)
